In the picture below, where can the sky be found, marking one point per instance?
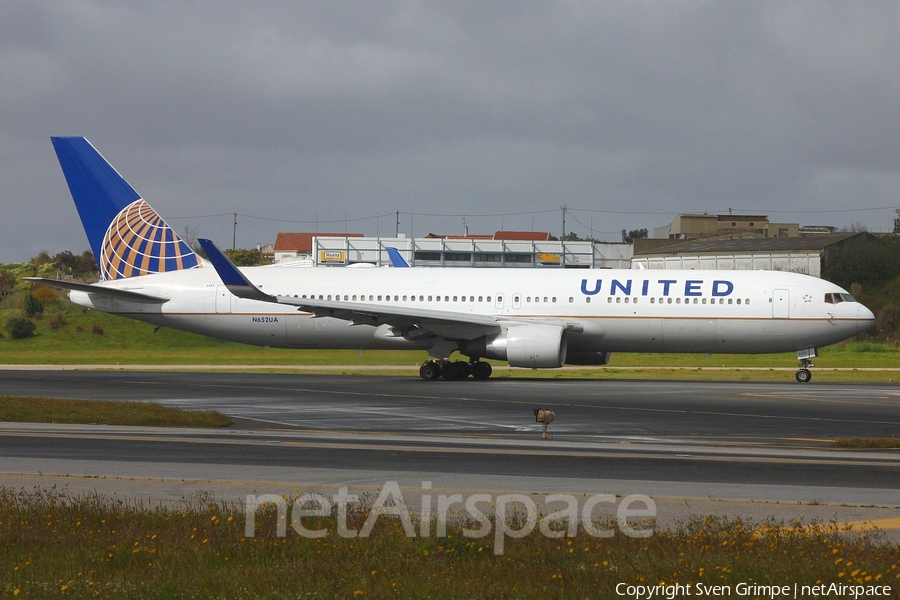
(333, 116)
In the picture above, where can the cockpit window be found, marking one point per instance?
(836, 298)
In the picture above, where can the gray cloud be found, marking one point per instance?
(291, 110)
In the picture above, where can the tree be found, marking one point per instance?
(65, 261)
(85, 263)
(246, 258)
(897, 221)
(42, 258)
(634, 234)
(864, 261)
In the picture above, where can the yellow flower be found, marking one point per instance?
(358, 592)
(16, 592)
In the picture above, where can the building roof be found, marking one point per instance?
(452, 236)
(747, 245)
(302, 242)
(523, 236)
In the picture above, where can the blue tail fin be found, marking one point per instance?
(127, 237)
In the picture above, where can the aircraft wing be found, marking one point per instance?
(100, 290)
(448, 325)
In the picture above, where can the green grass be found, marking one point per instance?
(887, 442)
(53, 545)
(103, 412)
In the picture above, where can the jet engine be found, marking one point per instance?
(529, 345)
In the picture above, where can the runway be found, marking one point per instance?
(683, 443)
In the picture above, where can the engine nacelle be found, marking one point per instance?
(529, 345)
(587, 358)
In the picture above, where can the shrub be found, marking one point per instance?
(96, 329)
(55, 322)
(46, 295)
(32, 306)
(20, 328)
(888, 319)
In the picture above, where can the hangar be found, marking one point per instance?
(807, 255)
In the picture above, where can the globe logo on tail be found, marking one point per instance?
(139, 242)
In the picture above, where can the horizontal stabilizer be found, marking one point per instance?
(100, 290)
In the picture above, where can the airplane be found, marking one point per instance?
(543, 318)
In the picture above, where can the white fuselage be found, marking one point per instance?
(612, 310)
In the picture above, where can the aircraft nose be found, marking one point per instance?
(864, 318)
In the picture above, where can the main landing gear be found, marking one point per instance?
(454, 370)
(803, 373)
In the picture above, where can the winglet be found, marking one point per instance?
(396, 258)
(233, 279)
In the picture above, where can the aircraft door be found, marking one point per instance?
(223, 300)
(781, 304)
(498, 301)
(517, 300)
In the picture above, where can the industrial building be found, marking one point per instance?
(503, 249)
(807, 255)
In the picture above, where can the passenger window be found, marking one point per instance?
(588, 300)
(429, 298)
(634, 301)
(738, 300)
(379, 297)
(454, 298)
(571, 299)
(446, 298)
(553, 299)
(618, 300)
(729, 301)
(404, 298)
(652, 300)
(609, 299)
(481, 298)
(670, 301)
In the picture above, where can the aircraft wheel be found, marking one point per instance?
(804, 375)
(481, 370)
(430, 370)
(450, 371)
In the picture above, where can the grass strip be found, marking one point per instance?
(890, 441)
(91, 545)
(104, 412)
